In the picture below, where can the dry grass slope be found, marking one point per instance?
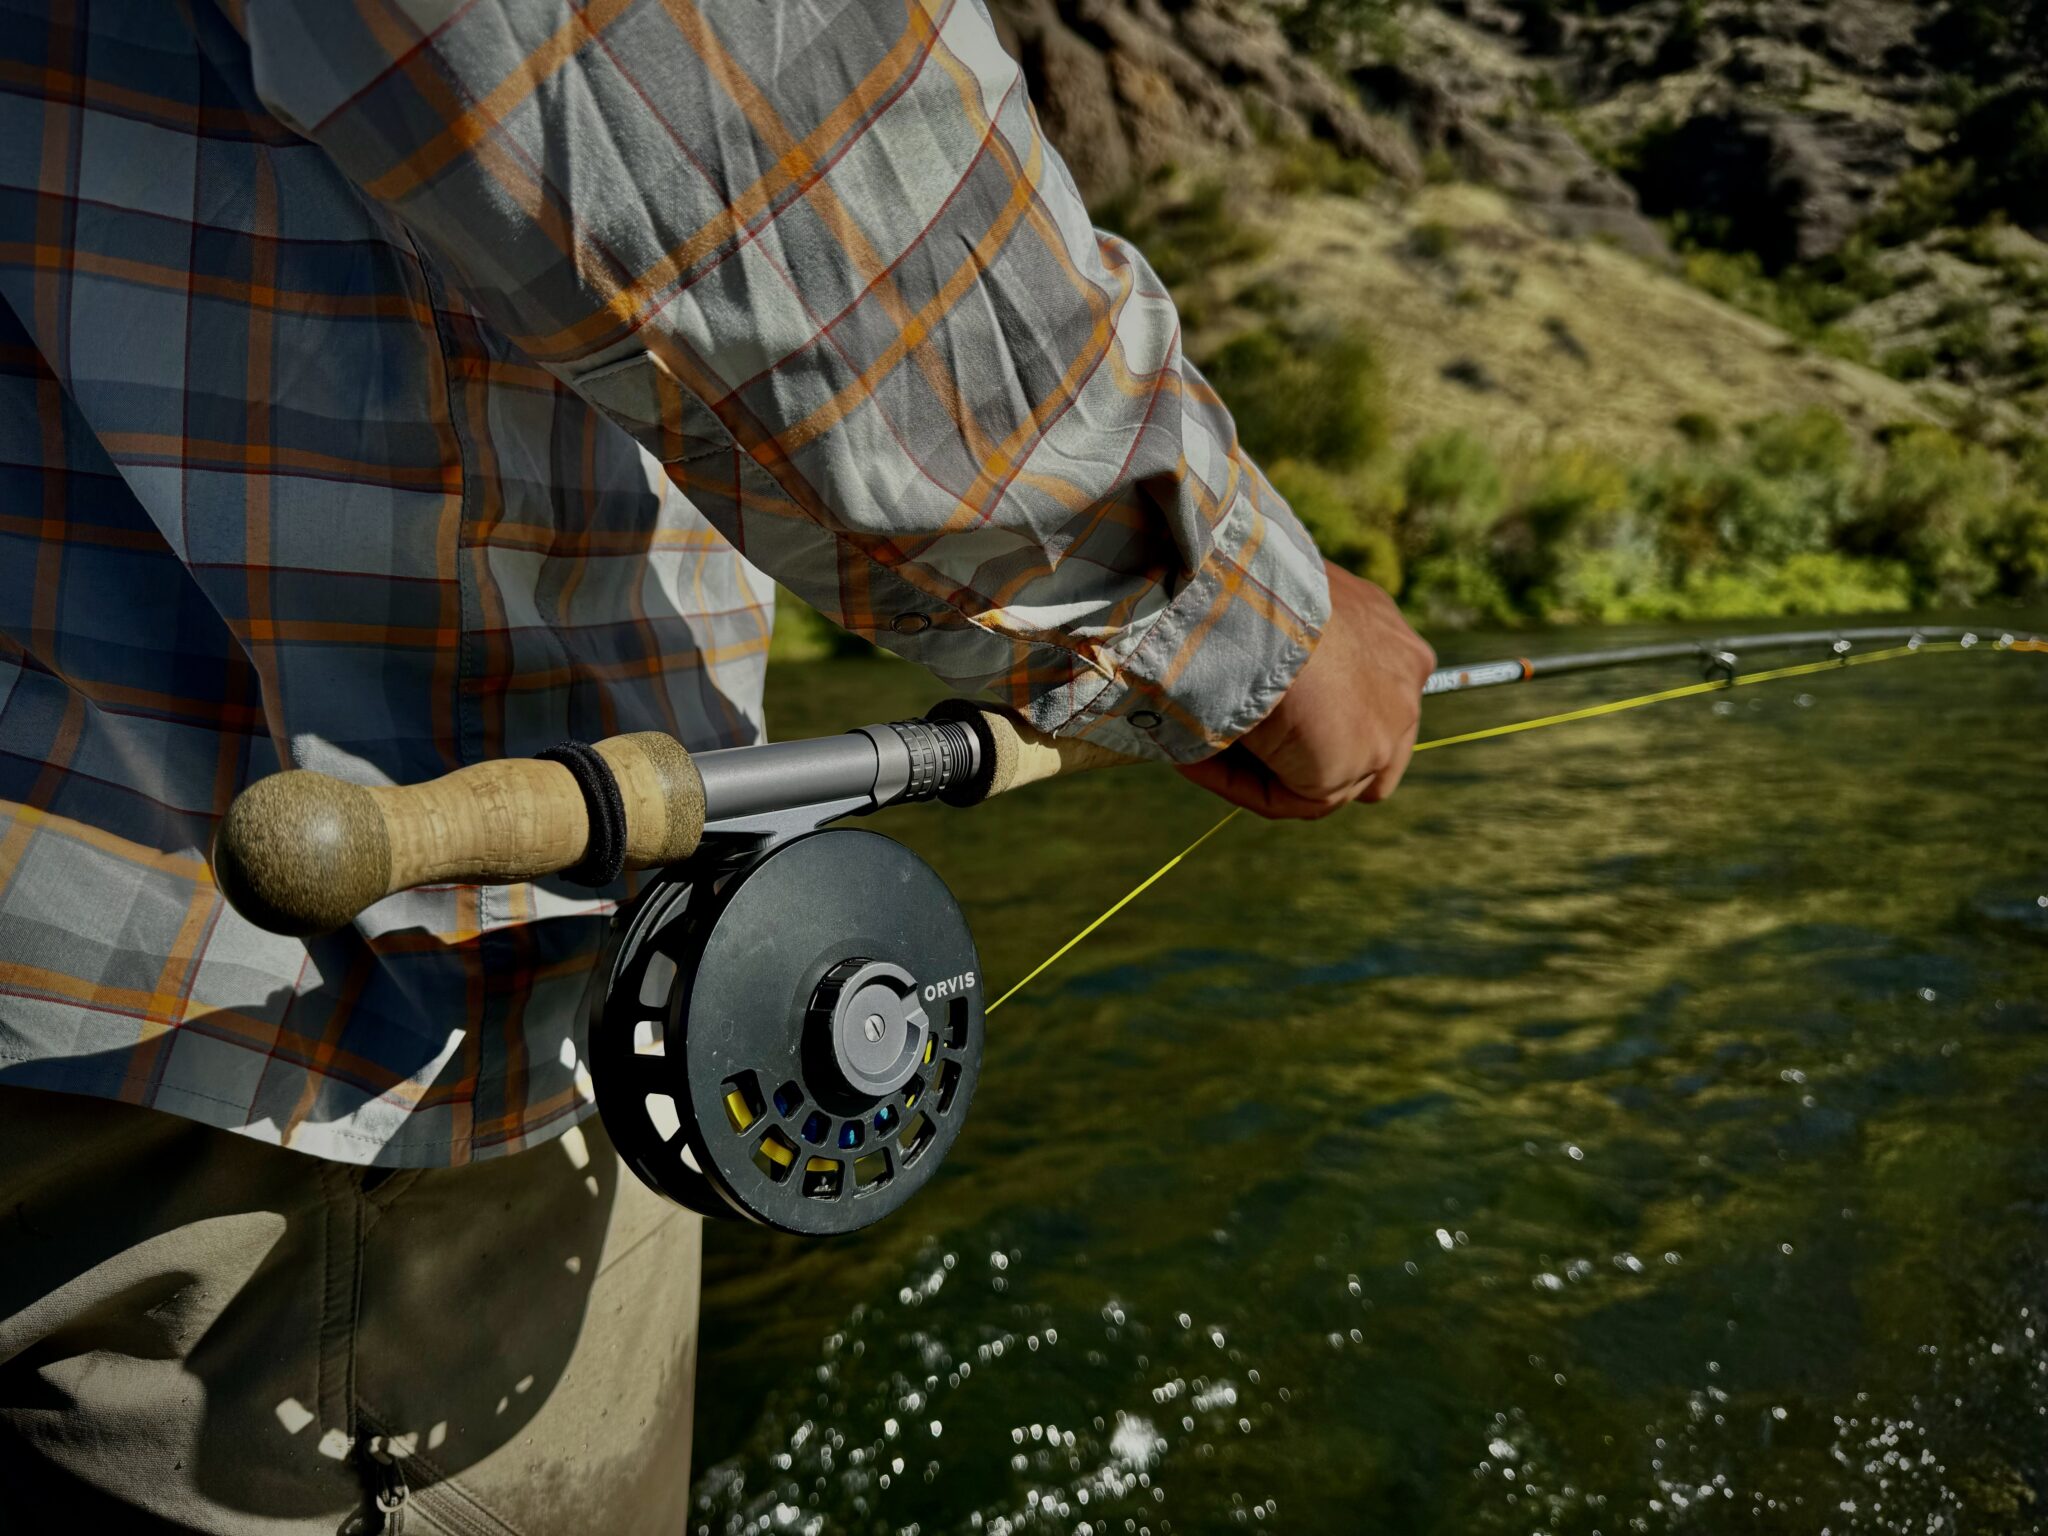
(1528, 340)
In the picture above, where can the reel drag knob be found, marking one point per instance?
(868, 1031)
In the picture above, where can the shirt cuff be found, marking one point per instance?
(1219, 656)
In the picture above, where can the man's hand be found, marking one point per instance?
(1346, 729)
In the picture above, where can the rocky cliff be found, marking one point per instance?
(1829, 144)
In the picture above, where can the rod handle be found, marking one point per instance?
(300, 852)
(1013, 754)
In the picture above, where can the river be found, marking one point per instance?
(1636, 1126)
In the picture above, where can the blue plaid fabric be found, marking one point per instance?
(389, 385)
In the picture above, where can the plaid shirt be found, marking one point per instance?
(388, 385)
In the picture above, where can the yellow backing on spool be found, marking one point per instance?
(737, 1108)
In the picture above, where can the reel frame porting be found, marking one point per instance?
(711, 1040)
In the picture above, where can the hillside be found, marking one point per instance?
(1866, 171)
(1483, 320)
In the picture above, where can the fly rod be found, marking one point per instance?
(1718, 658)
(787, 1022)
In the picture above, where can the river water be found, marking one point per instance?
(1635, 1126)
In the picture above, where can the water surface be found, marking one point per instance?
(1638, 1126)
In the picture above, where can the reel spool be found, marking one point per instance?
(791, 1036)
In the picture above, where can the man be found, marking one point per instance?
(389, 385)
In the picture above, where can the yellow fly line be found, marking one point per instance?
(1591, 712)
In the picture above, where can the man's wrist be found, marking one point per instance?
(1224, 651)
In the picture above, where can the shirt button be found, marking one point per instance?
(910, 623)
(1145, 719)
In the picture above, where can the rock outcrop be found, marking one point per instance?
(1783, 122)
(1130, 87)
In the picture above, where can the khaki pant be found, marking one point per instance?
(199, 1332)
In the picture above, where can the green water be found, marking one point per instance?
(1638, 1126)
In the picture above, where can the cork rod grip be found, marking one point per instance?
(299, 853)
(1014, 754)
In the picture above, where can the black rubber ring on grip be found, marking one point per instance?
(604, 858)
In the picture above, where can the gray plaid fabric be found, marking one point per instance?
(391, 385)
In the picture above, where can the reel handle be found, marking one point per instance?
(300, 853)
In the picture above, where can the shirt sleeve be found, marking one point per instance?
(820, 261)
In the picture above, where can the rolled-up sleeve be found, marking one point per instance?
(819, 260)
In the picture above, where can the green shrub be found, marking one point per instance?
(1455, 492)
(1545, 93)
(1186, 237)
(1856, 269)
(1965, 339)
(1458, 589)
(1316, 165)
(1267, 296)
(1433, 241)
(1734, 277)
(1348, 519)
(2025, 279)
(1574, 489)
(1979, 244)
(1570, 504)
(2028, 356)
(1320, 26)
(1804, 302)
(1611, 585)
(1920, 202)
(2030, 464)
(1827, 581)
(1817, 584)
(1908, 364)
(1850, 346)
(804, 634)
(1700, 428)
(1712, 513)
(1304, 395)
(1792, 491)
(1933, 504)
(1812, 442)
(1319, 499)
(2018, 547)
(2005, 141)
(1632, 157)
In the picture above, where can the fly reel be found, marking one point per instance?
(786, 1025)
(791, 1036)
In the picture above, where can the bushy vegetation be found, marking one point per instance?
(1186, 231)
(803, 634)
(1303, 394)
(1788, 514)
(1326, 26)
(1807, 302)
